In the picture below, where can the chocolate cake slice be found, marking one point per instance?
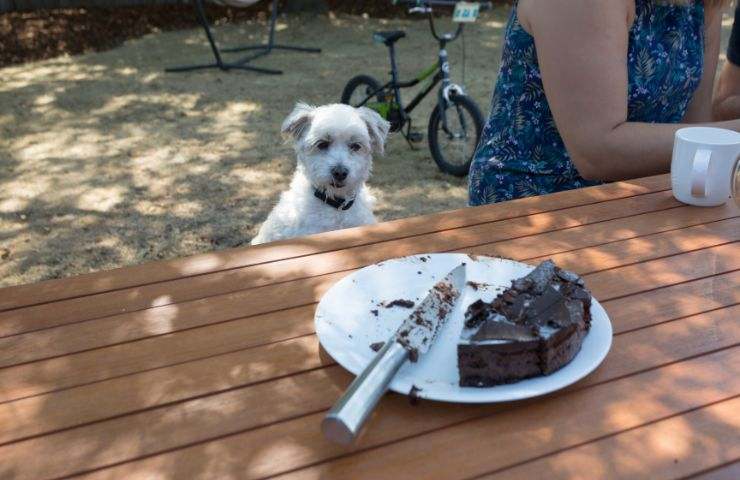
(532, 328)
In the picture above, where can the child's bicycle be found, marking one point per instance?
(456, 122)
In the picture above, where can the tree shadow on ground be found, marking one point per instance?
(109, 161)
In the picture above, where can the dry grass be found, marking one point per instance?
(105, 160)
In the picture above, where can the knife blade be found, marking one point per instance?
(414, 337)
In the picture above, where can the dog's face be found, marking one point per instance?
(335, 144)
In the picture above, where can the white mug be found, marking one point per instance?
(703, 165)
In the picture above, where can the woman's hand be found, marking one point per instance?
(582, 53)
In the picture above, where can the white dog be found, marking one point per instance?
(334, 145)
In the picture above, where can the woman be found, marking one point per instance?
(726, 103)
(592, 91)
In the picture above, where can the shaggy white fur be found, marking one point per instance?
(334, 145)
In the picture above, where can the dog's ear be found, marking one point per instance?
(377, 127)
(297, 123)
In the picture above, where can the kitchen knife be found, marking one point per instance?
(413, 338)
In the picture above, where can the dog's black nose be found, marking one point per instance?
(339, 173)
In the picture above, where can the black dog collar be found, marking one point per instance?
(337, 202)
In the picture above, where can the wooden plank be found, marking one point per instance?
(617, 282)
(522, 430)
(731, 471)
(640, 225)
(68, 408)
(51, 290)
(81, 336)
(629, 280)
(632, 352)
(292, 454)
(680, 300)
(666, 450)
(151, 353)
(538, 428)
(644, 248)
(176, 291)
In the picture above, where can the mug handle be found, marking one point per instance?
(700, 173)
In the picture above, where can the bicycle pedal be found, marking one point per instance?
(416, 137)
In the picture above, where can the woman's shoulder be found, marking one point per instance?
(530, 12)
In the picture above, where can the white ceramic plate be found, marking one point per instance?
(346, 327)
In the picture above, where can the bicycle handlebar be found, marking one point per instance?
(424, 4)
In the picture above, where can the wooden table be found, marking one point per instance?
(208, 366)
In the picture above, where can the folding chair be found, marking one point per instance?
(242, 63)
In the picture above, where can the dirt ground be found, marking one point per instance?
(41, 34)
(106, 160)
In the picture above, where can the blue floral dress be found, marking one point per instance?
(521, 153)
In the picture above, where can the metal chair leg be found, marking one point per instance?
(219, 63)
(271, 45)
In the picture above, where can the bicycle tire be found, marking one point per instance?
(359, 81)
(456, 169)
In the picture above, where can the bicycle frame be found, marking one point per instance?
(397, 86)
(454, 112)
(440, 70)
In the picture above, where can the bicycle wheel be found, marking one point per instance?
(359, 88)
(453, 148)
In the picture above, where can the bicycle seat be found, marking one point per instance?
(388, 37)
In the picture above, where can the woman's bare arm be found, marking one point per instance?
(582, 48)
(727, 98)
(700, 108)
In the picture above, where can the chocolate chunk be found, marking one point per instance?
(400, 303)
(414, 395)
(508, 296)
(413, 355)
(476, 314)
(567, 275)
(521, 284)
(541, 275)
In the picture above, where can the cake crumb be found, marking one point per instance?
(374, 312)
(413, 355)
(376, 346)
(400, 303)
(414, 395)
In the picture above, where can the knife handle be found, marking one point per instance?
(344, 421)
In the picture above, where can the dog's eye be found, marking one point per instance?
(323, 145)
(355, 147)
